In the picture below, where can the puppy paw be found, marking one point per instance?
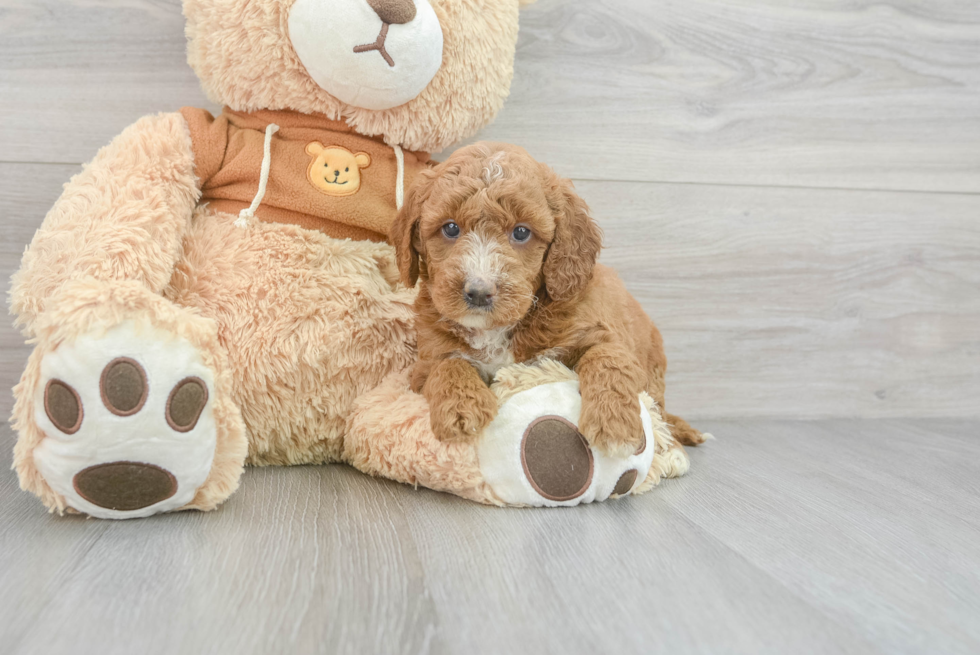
(611, 424)
(462, 417)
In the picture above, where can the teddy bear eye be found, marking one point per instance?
(521, 234)
(346, 168)
(451, 230)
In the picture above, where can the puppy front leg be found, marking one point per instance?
(610, 381)
(460, 403)
(419, 374)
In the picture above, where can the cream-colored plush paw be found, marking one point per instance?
(534, 454)
(128, 422)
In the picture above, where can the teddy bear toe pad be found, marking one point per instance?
(556, 458)
(127, 419)
(533, 453)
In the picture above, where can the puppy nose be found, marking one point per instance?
(394, 12)
(479, 293)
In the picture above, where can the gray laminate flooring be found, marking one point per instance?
(786, 537)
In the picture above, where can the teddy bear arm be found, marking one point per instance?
(122, 218)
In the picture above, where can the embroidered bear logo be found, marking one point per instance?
(335, 171)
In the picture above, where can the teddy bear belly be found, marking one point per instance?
(309, 323)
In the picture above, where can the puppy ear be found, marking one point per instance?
(404, 232)
(570, 260)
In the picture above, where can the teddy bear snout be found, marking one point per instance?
(394, 12)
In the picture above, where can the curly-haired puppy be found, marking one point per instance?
(506, 252)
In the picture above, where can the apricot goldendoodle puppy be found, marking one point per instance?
(506, 252)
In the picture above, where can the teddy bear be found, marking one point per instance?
(212, 291)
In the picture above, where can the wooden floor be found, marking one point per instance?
(792, 190)
(829, 537)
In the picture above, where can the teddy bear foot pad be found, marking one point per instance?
(541, 459)
(128, 422)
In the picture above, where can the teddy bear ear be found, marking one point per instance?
(363, 159)
(314, 148)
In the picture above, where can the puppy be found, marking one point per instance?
(506, 253)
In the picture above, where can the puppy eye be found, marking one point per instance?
(346, 169)
(451, 230)
(521, 234)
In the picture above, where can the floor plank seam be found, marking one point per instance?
(735, 185)
(792, 187)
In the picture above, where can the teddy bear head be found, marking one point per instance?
(424, 74)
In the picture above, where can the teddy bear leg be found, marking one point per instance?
(310, 323)
(532, 454)
(124, 410)
(389, 435)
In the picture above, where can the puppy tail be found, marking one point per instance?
(682, 431)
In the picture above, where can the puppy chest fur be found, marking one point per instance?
(490, 350)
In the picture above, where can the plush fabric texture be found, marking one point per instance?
(479, 38)
(670, 460)
(372, 54)
(122, 218)
(90, 307)
(389, 435)
(555, 466)
(309, 323)
(118, 464)
(323, 175)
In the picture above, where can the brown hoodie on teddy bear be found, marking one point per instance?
(322, 174)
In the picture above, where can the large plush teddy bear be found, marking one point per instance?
(215, 291)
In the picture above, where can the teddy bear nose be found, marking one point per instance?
(394, 12)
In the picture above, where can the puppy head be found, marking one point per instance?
(489, 231)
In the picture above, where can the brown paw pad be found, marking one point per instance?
(625, 483)
(556, 458)
(123, 386)
(124, 486)
(63, 406)
(185, 404)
